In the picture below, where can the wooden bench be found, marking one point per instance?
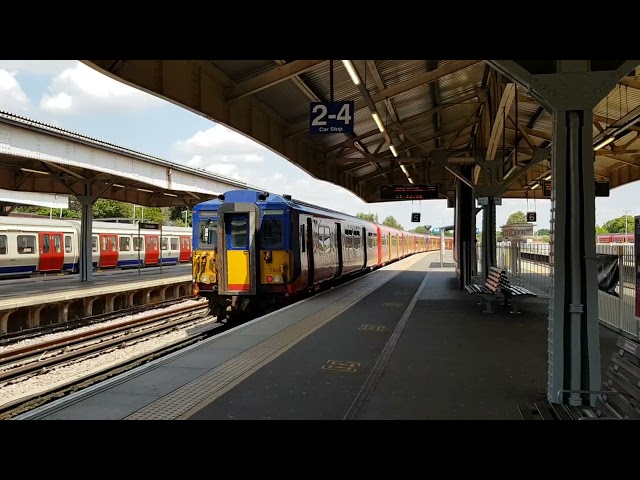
(619, 399)
(491, 288)
(514, 293)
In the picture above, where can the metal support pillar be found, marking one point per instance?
(86, 254)
(572, 91)
(488, 236)
(464, 228)
(441, 247)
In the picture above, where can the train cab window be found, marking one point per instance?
(238, 233)
(208, 238)
(3, 244)
(174, 244)
(57, 244)
(68, 246)
(165, 243)
(271, 233)
(125, 244)
(138, 244)
(26, 244)
(94, 244)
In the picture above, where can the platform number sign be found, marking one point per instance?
(415, 217)
(331, 117)
(531, 216)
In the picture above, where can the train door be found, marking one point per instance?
(152, 249)
(310, 247)
(185, 249)
(238, 241)
(51, 253)
(108, 250)
(339, 244)
(365, 246)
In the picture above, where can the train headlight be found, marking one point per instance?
(204, 278)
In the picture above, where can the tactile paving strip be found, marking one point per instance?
(181, 400)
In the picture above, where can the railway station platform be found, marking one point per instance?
(32, 302)
(400, 343)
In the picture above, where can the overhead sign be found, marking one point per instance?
(483, 200)
(148, 226)
(415, 217)
(408, 192)
(531, 216)
(331, 117)
(546, 188)
(602, 189)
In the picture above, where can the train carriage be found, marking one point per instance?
(254, 251)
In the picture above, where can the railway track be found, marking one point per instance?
(21, 364)
(14, 337)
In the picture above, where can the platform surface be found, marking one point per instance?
(400, 343)
(35, 291)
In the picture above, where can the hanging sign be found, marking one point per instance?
(531, 216)
(415, 217)
(331, 117)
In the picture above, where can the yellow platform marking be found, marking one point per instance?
(373, 328)
(350, 367)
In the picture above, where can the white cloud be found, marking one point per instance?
(219, 144)
(13, 98)
(81, 89)
(38, 67)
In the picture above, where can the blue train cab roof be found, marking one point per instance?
(271, 201)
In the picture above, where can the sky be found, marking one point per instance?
(70, 95)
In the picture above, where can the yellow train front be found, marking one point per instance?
(242, 257)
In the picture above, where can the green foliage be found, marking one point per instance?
(600, 229)
(420, 229)
(390, 221)
(543, 231)
(516, 217)
(617, 225)
(370, 217)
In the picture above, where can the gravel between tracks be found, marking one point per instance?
(83, 368)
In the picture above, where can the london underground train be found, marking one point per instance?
(254, 251)
(33, 245)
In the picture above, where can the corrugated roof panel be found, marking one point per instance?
(412, 102)
(241, 69)
(620, 101)
(344, 89)
(394, 72)
(287, 100)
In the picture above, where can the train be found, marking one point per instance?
(254, 251)
(615, 238)
(38, 245)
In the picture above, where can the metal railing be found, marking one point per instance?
(530, 265)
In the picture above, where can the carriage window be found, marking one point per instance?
(165, 243)
(208, 234)
(138, 244)
(105, 244)
(324, 239)
(125, 244)
(114, 247)
(302, 239)
(238, 233)
(174, 244)
(271, 233)
(46, 243)
(67, 244)
(57, 244)
(94, 244)
(26, 244)
(3, 244)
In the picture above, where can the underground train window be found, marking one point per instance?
(238, 233)
(165, 243)
(138, 244)
(94, 244)
(271, 233)
(3, 244)
(67, 244)
(208, 234)
(174, 244)
(57, 244)
(125, 244)
(26, 244)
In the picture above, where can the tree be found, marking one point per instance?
(420, 229)
(370, 217)
(390, 221)
(617, 225)
(600, 229)
(543, 231)
(516, 217)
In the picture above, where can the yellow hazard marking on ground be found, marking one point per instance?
(373, 328)
(341, 366)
